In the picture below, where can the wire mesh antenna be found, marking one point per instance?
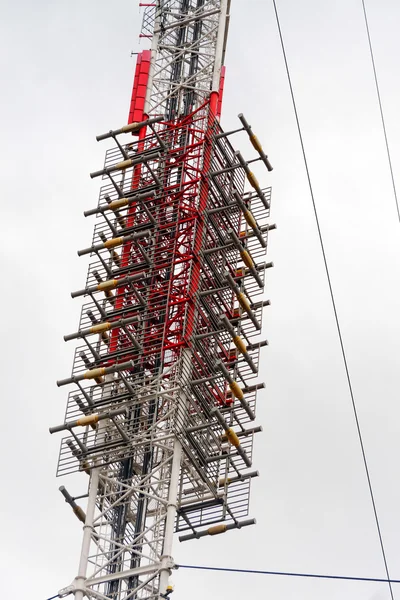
(161, 413)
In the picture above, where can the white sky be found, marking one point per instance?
(66, 75)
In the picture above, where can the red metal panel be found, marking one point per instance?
(139, 87)
(221, 92)
(134, 88)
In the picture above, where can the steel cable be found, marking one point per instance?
(381, 109)
(333, 302)
(289, 574)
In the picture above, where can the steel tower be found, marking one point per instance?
(162, 408)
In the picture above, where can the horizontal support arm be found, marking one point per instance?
(88, 420)
(130, 128)
(216, 529)
(96, 373)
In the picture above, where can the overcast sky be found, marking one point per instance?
(66, 75)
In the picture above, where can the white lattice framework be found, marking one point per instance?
(188, 48)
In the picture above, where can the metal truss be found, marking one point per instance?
(185, 36)
(162, 411)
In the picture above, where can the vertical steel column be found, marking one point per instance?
(87, 534)
(166, 559)
(220, 49)
(88, 527)
(154, 49)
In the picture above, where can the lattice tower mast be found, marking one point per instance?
(162, 398)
